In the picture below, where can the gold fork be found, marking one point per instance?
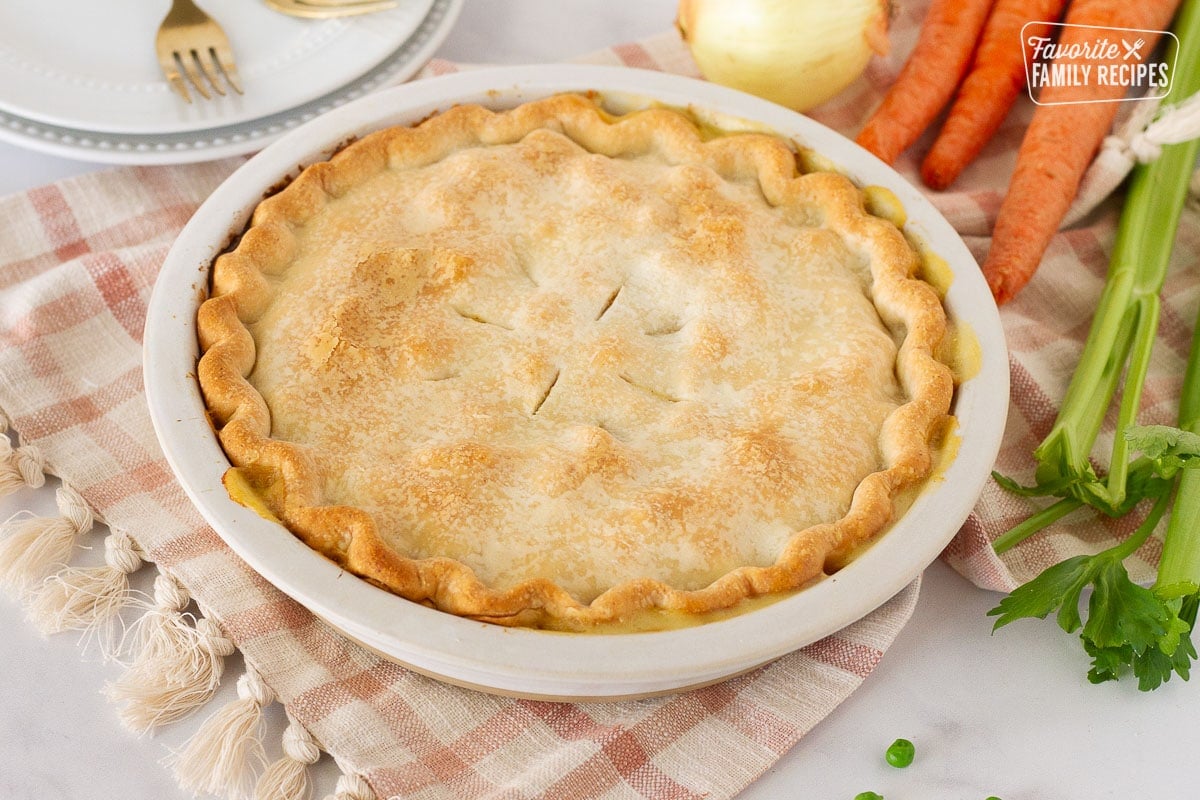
(191, 43)
(328, 9)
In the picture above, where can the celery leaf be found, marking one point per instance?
(1170, 449)
(1058, 587)
(1120, 612)
(1128, 627)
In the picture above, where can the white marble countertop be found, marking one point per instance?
(1009, 715)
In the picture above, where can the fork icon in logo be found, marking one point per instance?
(1132, 49)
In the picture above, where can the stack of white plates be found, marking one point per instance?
(80, 79)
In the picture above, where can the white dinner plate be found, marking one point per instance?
(537, 663)
(123, 112)
(84, 64)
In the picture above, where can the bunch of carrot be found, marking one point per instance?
(971, 50)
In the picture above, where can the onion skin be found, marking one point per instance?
(798, 53)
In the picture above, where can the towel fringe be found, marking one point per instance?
(178, 656)
(178, 662)
(20, 467)
(288, 778)
(88, 599)
(223, 756)
(32, 547)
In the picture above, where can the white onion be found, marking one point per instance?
(798, 53)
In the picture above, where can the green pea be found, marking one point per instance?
(868, 796)
(901, 753)
(993, 797)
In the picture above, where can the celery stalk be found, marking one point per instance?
(1128, 626)
(1122, 334)
(1179, 564)
(1121, 337)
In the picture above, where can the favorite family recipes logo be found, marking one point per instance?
(1081, 63)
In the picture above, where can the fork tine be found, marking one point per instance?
(192, 48)
(223, 56)
(204, 60)
(171, 71)
(186, 62)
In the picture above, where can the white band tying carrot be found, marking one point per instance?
(1139, 139)
(1176, 123)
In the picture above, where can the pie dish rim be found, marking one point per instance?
(554, 664)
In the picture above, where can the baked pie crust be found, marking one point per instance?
(552, 366)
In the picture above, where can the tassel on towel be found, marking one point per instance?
(85, 599)
(177, 665)
(31, 547)
(21, 466)
(223, 756)
(287, 778)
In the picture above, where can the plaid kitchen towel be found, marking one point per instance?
(77, 262)
(80, 261)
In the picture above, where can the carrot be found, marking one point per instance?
(991, 87)
(1058, 146)
(929, 77)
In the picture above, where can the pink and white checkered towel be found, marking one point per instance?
(77, 262)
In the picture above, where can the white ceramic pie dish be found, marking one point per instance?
(530, 662)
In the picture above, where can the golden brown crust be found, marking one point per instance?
(688, 416)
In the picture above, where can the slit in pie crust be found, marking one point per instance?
(554, 367)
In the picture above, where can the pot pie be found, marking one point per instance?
(557, 367)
